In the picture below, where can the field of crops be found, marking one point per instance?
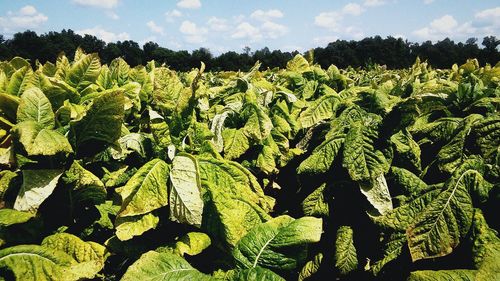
(109, 172)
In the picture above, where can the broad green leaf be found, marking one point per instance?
(258, 125)
(18, 62)
(38, 140)
(37, 186)
(346, 259)
(402, 217)
(79, 54)
(377, 193)
(452, 154)
(130, 143)
(408, 151)
(362, 161)
(255, 274)
(236, 143)
(9, 217)
(167, 88)
(119, 177)
(477, 186)
(146, 190)
(86, 187)
(311, 267)
(298, 64)
(19, 81)
(105, 210)
(186, 205)
(192, 243)
(9, 105)
(438, 229)
(279, 243)
(156, 266)
(442, 275)
(82, 178)
(89, 255)
(119, 70)
(266, 158)
(487, 133)
(228, 218)
(216, 128)
(161, 134)
(34, 106)
(141, 76)
(483, 237)
(128, 227)
(102, 121)
(319, 110)
(315, 204)
(231, 178)
(6, 180)
(393, 249)
(490, 266)
(84, 71)
(33, 262)
(407, 181)
(322, 156)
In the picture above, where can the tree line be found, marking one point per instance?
(390, 51)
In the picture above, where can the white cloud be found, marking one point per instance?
(445, 26)
(333, 20)
(489, 16)
(247, 31)
(273, 30)
(27, 11)
(107, 4)
(26, 17)
(190, 28)
(192, 33)
(487, 22)
(323, 40)
(154, 27)
(399, 36)
(218, 24)
(292, 48)
(266, 15)
(239, 18)
(112, 15)
(427, 2)
(189, 4)
(373, 3)
(353, 9)
(354, 32)
(105, 35)
(329, 20)
(147, 39)
(170, 16)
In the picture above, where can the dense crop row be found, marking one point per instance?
(113, 172)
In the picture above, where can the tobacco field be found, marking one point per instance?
(109, 172)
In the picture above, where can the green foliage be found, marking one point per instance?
(277, 174)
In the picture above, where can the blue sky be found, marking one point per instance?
(223, 25)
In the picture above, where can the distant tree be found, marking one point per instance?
(110, 52)
(131, 52)
(471, 41)
(201, 55)
(92, 44)
(247, 50)
(148, 49)
(390, 51)
(490, 43)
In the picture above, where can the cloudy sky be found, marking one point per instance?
(223, 25)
